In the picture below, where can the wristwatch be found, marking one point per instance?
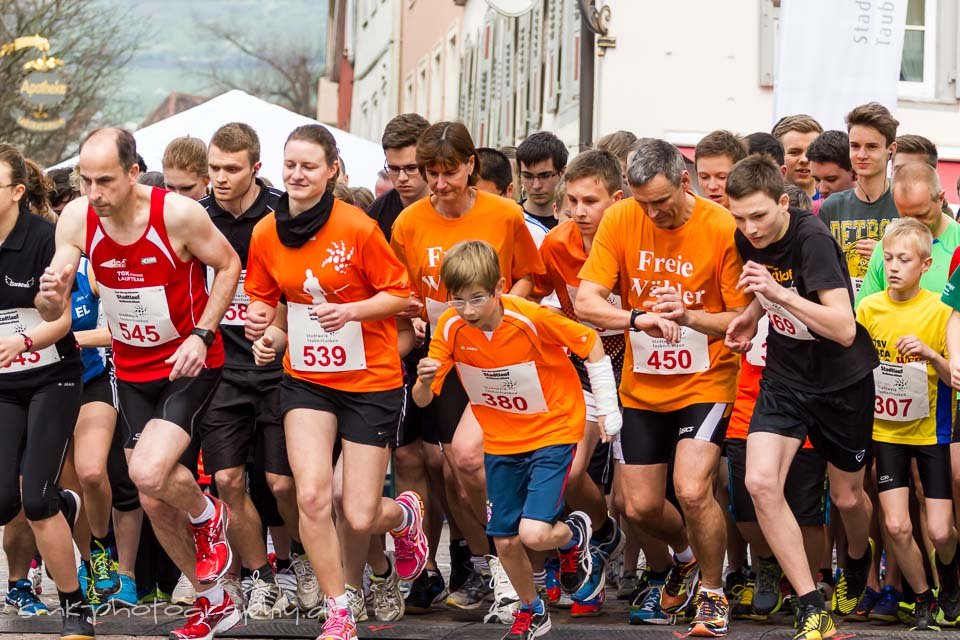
(634, 314)
(27, 342)
(205, 334)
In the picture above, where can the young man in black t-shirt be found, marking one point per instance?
(818, 380)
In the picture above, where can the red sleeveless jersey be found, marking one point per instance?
(151, 298)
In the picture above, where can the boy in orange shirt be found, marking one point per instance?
(510, 357)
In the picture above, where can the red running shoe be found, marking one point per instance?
(208, 620)
(410, 545)
(213, 551)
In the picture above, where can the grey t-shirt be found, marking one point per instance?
(850, 219)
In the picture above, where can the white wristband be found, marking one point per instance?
(604, 386)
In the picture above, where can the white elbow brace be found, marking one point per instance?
(604, 386)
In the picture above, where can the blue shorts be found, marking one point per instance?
(526, 486)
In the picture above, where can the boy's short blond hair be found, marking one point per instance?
(912, 231)
(470, 263)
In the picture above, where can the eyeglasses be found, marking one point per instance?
(475, 301)
(4, 186)
(410, 170)
(526, 176)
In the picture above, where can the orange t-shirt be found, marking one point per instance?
(563, 257)
(524, 390)
(421, 236)
(348, 260)
(748, 389)
(630, 255)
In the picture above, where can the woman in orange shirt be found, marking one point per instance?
(457, 211)
(342, 286)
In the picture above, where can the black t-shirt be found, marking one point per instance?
(24, 255)
(385, 210)
(548, 221)
(809, 259)
(238, 230)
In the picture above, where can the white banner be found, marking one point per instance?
(833, 55)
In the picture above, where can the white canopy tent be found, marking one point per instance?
(273, 124)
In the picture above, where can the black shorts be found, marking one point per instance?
(99, 389)
(839, 423)
(448, 407)
(181, 402)
(933, 466)
(371, 417)
(650, 437)
(419, 422)
(599, 468)
(805, 488)
(244, 414)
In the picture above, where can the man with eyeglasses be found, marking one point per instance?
(400, 148)
(542, 158)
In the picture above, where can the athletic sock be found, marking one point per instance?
(858, 565)
(492, 547)
(605, 533)
(826, 576)
(717, 592)
(540, 578)
(11, 585)
(297, 548)
(407, 519)
(70, 602)
(342, 601)
(684, 556)
(214, 594)
(574, 538)
(536, 606)
(106, 541)
(480, 564)
(925, 597)
(812, 599)
(266, 573)
(283, 564)
(206, 515)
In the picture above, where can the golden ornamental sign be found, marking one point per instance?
(42, 88)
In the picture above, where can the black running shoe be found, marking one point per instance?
(576, 563)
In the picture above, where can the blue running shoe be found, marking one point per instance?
(83, 575)
(24, 602)
(887, 606)
(596, 581)
(612, 548)
(127, 595)
(646, 608)
(106, 578)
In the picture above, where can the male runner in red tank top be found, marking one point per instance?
(147, 248)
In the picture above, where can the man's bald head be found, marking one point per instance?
(914, 175)
(122, 140)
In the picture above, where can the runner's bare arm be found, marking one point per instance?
(57, 281)
(743, 329)
(43, 335)
(832, 318)
(522, 287)
(670, 305)
(333, 316)
(260, 315)
(913, 346)
(426, 371)
(592, 307)
(205, 242)
(405, 336)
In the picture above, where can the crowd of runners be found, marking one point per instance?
(740, 367)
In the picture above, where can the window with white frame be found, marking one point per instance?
(436, 84)
(408, 105)
(423, 89)
(918, 62)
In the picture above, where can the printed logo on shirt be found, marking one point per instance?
(468, 348)
(861, 454)
(687, 430)
(648, 262)
(339, 257)
(113, 263)
(10, 282)
(148, 260)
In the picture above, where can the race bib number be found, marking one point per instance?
(14, 321)
(314, 350)
(236, 313)
(613, 299)
(783, 321)
(138, 317)
(659, 357)
(514, 389)
(435, 309)
(901, 392)
(757, 356)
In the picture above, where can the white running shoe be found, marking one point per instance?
(506, 602)
(184, 593)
